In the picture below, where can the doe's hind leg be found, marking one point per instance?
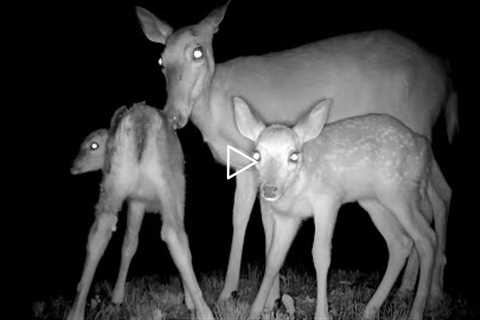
(436, 289)
(439, 193)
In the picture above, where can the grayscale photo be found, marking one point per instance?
(254, 160)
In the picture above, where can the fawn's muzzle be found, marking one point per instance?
(270, 192)
(74, 170)
(176, 120)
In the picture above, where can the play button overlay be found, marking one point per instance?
(251, 161)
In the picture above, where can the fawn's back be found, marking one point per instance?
(359, 155)
(143, 154)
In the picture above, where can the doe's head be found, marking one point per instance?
(91, 155)
(278, 148)
(187, 60)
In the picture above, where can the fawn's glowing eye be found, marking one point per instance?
(160, 62)
(294, 157)
(256, 155)
(94, 146)
(197, 53)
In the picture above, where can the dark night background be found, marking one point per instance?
(93, 58)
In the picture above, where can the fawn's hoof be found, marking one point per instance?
(224, 296)
(434, 300)
(254, 316)
(205, 315)
(117, 298)
(403, 294)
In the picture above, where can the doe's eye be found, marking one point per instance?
(256, 155)
(294, 156)
(197, 53)
(94, 146)
(160, 62)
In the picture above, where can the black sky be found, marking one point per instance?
(91, 58)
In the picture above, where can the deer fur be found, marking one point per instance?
(311, 169)
(142, 163)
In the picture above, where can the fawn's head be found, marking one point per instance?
(278, 148)
(187, 60)
(91, 156)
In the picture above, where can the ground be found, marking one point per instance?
(349, 291)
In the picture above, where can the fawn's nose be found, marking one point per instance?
(270, 192)
(74, 170)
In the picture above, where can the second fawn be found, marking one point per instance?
(142, 162)
(313, 168)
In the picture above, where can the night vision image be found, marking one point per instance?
(257, 160)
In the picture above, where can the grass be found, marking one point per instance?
(149, 299)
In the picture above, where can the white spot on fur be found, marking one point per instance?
(114, 224)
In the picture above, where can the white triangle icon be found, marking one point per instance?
(252, 162)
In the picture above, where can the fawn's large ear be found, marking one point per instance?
(155, 29)
(100, 134)
(116, 119)
(211, 22)
(310, 126)
(248, 125)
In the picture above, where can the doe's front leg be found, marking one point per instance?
(245, 193)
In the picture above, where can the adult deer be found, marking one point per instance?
(142, 163)
(313, 168)
(372, 72)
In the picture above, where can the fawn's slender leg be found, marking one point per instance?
(399, 246)
(267, 220)
(284, 230)
(245, 192)
(440, 194)
(173, 233)
(136, 211)
(98, 238)
(410, 275)
(406, 206)
(325, 215)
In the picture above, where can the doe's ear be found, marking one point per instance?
(155, 29)
(310, 126)
(214, 18)
(248, 125)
